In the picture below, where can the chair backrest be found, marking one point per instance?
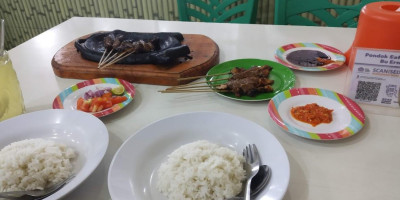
(302, 12)
(233, 11)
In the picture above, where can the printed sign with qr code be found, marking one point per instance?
(376, 77)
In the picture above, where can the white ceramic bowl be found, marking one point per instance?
(86, 134)
(133, 170)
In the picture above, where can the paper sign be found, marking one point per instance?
(376, 77)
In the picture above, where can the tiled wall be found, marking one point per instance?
(27, 18)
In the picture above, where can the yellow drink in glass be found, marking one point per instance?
(11, 101)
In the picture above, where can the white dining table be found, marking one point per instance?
(364, 166)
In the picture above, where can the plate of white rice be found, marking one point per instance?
(149, 164)
(44, 147)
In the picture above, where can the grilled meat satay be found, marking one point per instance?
(125, 46)
(148, 46)
(237, 70)
(135, 47)
(255, 71)
(254, 91)
(249, 86)
(117, 41)
(108, 42)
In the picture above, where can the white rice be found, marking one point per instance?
(201, 170)
(34, 164)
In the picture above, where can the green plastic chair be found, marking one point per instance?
(289, 12)
(223, 11)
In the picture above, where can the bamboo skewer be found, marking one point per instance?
(196, 77)
(118, 58)
(123, 49)
(196, 83)
(102, 57)
(183, 87)
(184, 91)
(194, 87)
(106, 58)
(240, 85)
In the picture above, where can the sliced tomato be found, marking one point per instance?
(108, 104)
(79, 102)
(94, 106)
(83, 105)
(100, 108)
(99, 103)
(118, 99)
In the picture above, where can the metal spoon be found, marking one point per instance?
(258, 183)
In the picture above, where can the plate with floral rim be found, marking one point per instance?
(347, 117)
(333, 58)
(67, 99)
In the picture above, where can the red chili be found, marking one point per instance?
(312, 114)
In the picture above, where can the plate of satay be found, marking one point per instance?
(310, 56)
(316, 114)
(250, 79)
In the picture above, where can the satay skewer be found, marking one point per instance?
(108, 47)
(202, 82)
(118, 58)
(113, 60)
(127, 48)
(232, 72)
(191, 90)
(196, 77)
(193, 87)
(102, 57)
(107, 58)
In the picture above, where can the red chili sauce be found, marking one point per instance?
(312, 114)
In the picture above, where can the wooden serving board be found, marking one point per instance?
(68, 63)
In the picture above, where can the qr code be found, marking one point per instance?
(367, 91)
(391, 90)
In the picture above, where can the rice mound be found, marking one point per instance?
(201, 170)
(34, 164)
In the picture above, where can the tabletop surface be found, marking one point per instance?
(364, 166)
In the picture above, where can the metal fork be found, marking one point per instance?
(35, 194)
(252, 166)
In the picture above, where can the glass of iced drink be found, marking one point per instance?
(11, 101)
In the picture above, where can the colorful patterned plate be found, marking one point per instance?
(336, 55)
(283, 77)
(348, 117)
(67, 99)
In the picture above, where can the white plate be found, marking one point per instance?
(133, 170)
(334, 54)
(86, 134)
(67, 99)
(341, 117)
(347, 117)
